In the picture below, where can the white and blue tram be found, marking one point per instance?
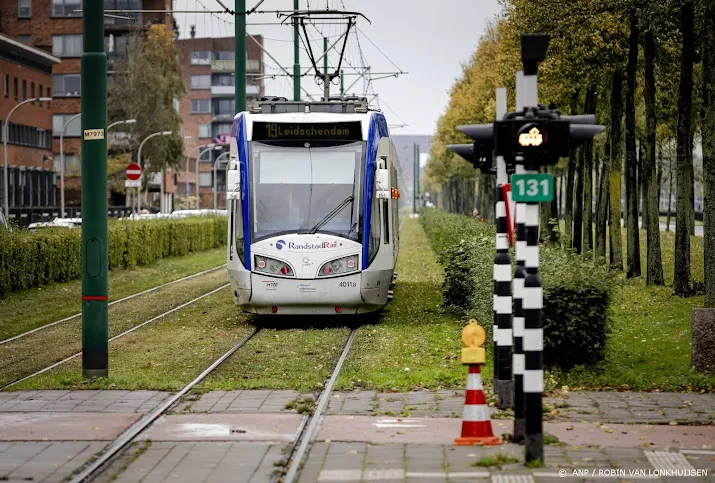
(313, 208)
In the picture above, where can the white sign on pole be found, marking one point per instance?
(132, 183)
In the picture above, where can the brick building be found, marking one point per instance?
(55, 26)
(26, 73)
(208, 108)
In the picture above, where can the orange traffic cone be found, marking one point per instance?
(476, 424)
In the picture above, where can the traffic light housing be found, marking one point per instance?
(479, 155)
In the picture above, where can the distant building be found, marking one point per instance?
(26, 73)
(55, 26)
(209, 107)
(404, 144)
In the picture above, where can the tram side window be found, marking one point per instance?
(375, 227)
(237, 215)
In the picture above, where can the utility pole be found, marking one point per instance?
(240, 57)
(95, 359)
(342, 84)
(296, 54)
(326, 76)
(416, 181)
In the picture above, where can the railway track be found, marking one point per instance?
(124, 299)
(298, 449)
(128, 331)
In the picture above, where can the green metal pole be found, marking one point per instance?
(95, 358)
(296, 55)
(325, 57)
(240, 56)
(342, 84)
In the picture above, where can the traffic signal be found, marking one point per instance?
(533, 137)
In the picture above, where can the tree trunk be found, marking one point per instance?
(568, 214)
(642, 185)
(615, 162)
(654, 265)
(554, 233)
(602, 205)
(708, 140)
(684, 164)
(670, 191)
(633, 253)
(578, 203)
(591, 99)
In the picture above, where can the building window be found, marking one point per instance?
(66, 8)
(24, 89)
(73, 129)
(49, 94)
(206, 179)
(67, 45)
(24, 8)
(224, 107)
(27, 136)
(66, 85)
(222, 128)
(14, 87)
(200, 57)
(204, 131)
(39, 94)
(200, 106)
(224, 55)
(6, 85)
(201, 81)
(223, 80)
(73, 165)
(32, 90)
(25, 39)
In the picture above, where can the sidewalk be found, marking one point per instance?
(366, 436)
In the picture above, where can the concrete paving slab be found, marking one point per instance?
(225, 427)
(63, 426)
(380, 430)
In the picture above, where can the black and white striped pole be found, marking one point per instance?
(502, 305)
(518, 287)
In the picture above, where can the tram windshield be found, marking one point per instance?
(307, 186)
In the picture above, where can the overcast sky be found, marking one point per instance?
(429, 40)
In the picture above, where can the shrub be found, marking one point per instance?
(54, 255)
(577, 294)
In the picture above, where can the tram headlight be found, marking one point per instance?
(339, 266)
(272, 266)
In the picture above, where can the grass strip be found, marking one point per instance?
(24, 356)
(32, 308)
(284, 358)
(417, 343)
(163, 356)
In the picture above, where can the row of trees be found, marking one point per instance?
(647, 70)
(148, 83)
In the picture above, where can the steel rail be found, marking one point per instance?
(129, 297)
(128, 331)
(310, 431)
(137, 428)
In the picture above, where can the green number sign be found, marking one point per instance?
(532, 188)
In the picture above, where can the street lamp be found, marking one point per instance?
(139, 160)
(62, 156)
(216, 179)
(6, 134)
(188, 156)
(208, 148)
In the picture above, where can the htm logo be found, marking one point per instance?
(280, 244)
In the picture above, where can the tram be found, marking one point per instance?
(312, 199)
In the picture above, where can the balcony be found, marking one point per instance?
(222, 66)
(229, 91)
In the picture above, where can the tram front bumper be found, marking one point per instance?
(315, 296)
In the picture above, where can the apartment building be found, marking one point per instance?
(55, 27)
(26, 73)
(209, 106)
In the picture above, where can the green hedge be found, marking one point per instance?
(53, 255)
(577, 294)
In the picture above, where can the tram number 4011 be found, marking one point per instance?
(347, 284)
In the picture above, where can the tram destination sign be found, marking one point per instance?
(306, 131)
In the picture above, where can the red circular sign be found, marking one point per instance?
(134, 171)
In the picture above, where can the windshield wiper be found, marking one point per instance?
(331, 215)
